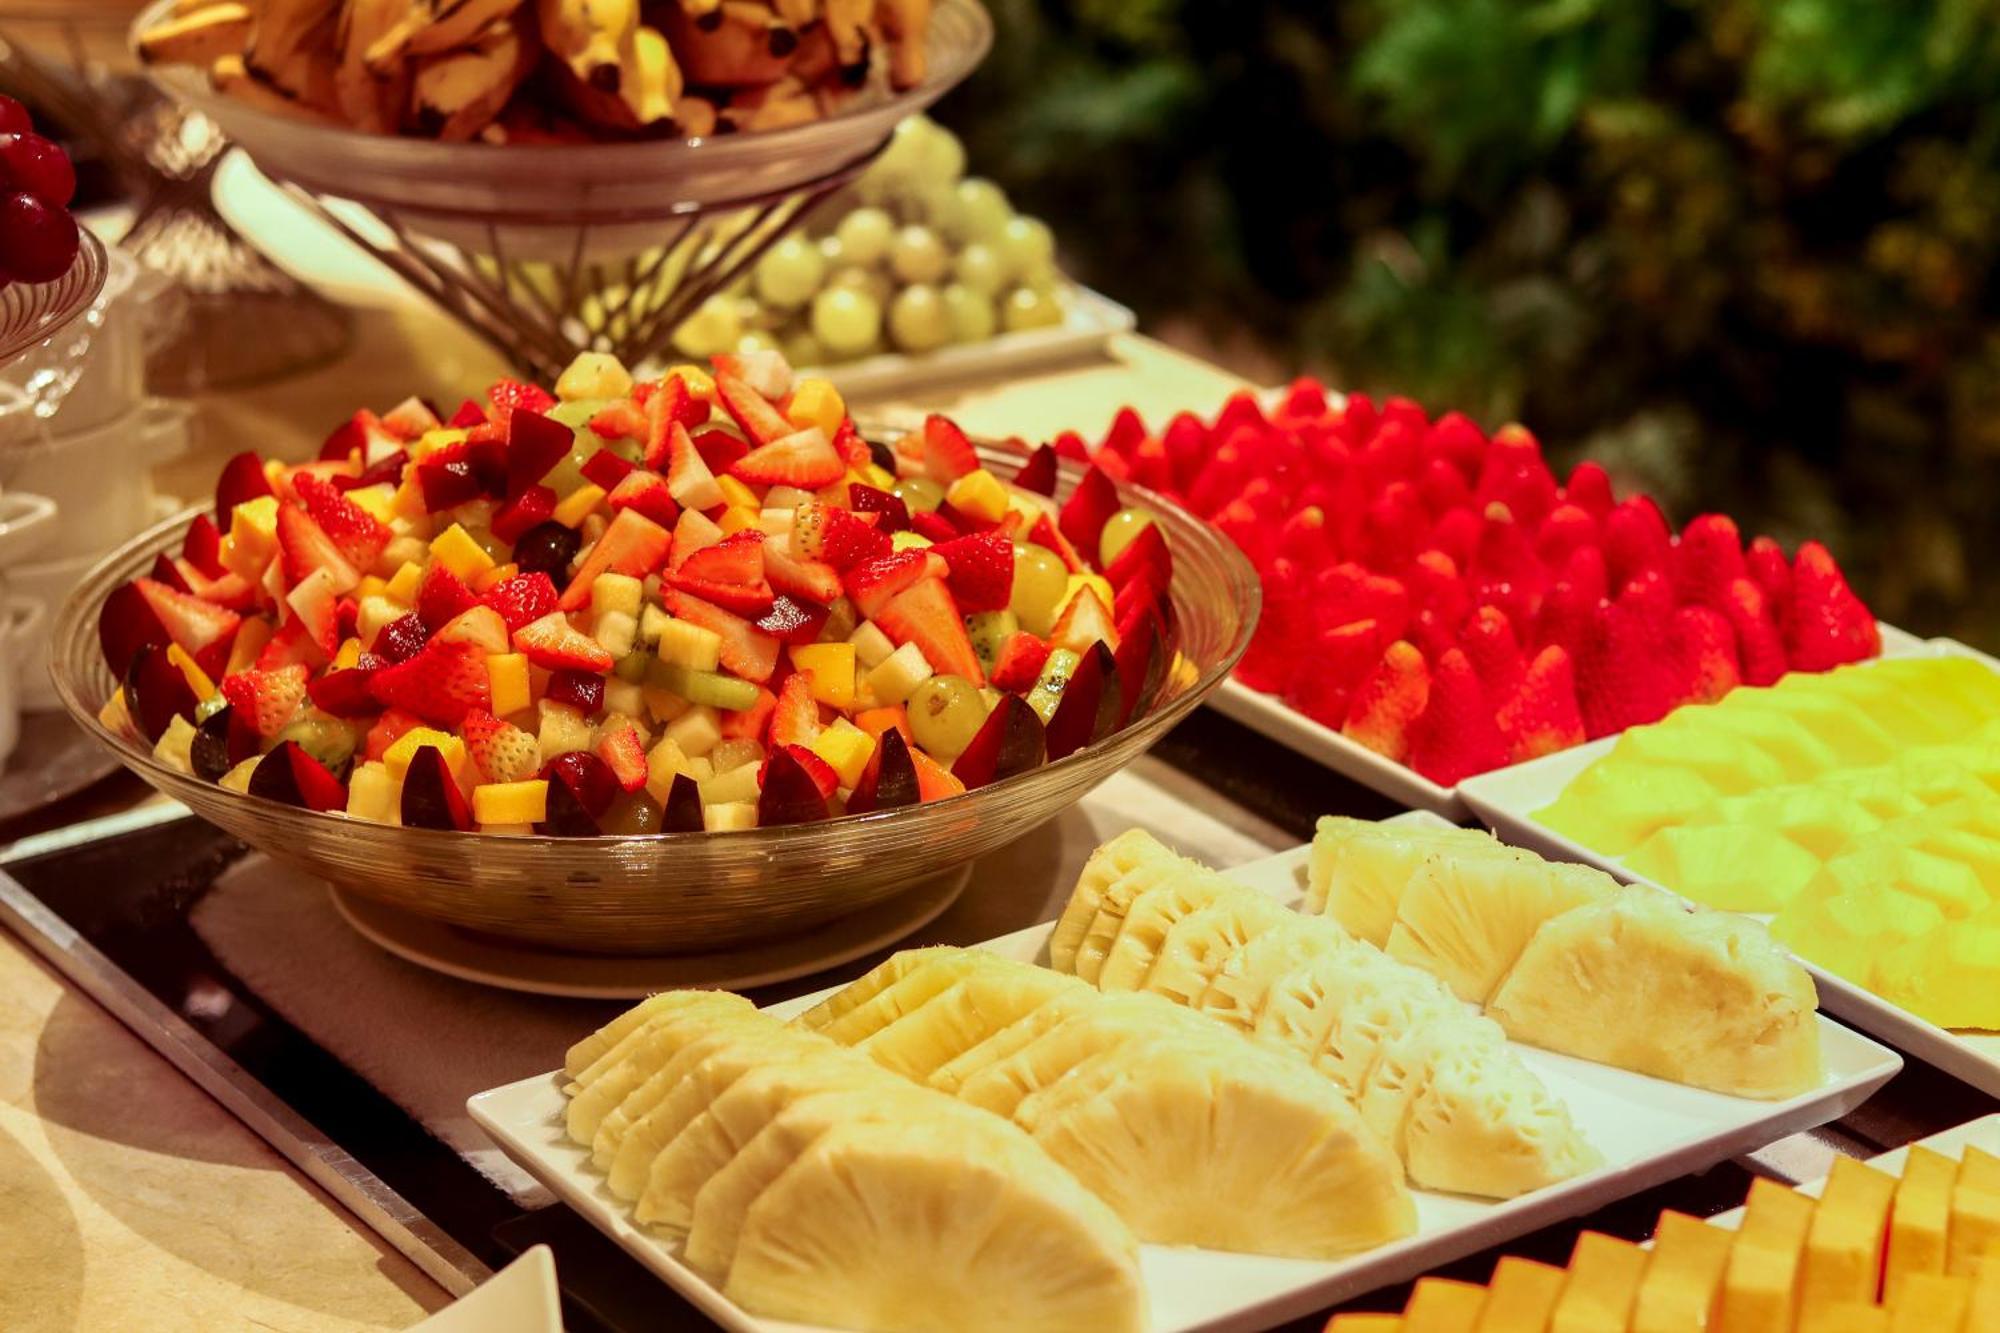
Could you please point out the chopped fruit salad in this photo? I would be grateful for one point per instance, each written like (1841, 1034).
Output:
(700, 602)
(1438, 596)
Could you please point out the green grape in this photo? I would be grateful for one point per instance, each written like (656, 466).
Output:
(917, 255)
(635, 812)
(833, 252)
(1026, 308)
(847, 322)
(1119, 530)
(983, 210)
(327, 738)
(864, 236)
(945, 713)
(901, 162)
(756, 340)
(918, 321)
(918, 494)
(711, 329)
(943, 154)
(789, 273)
(980, 267)
(1040, 580)
(971, 313)
(876, 285)
(1027, 245)
(801, 349)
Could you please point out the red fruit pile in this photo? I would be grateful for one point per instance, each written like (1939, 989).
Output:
(1437, 595)
(38, 237)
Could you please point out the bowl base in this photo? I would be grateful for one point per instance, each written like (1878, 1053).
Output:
(511, 965)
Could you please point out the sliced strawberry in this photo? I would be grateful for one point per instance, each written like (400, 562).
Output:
(346, 693)
(508, 394)
(605, 469)
(667, 404)
(689, 480)
(693, 531)
(803, 459)
(893, 514)
(469, 414)
(531, 508)
(947, 454)
(441, 684)
(267, 700)
(746, 650)
(1046, 534)
(242, 479)
(622, 753)
(1019, 663)
(1038, 473)
(1145, 556)
(503, 752)
(313, 601)
(1086, 620)
(764, 371)
(481, 626)
(554, 643)
(351, 439)
(753, 412)
(981, 568)
(853, 450)
(738, 558)
(809, 580)
(168, 572)
(935, 525)
(795, 719)
(188, 620)
(358, 533)
(305, 547)
(442, 597)
(837, 537)
(750, 600)
(646, 492)
(872, 584)
(925, 614)
(633, 545)
(289, 645)
(1070, 445)
(750, 723)
(1125, 433)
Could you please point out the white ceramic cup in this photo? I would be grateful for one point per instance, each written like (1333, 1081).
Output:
(44, 584)
(100, 479)
(23, 625)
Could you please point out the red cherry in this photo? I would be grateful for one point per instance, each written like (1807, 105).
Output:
(14, 118)
(37, 242)
(30, 162)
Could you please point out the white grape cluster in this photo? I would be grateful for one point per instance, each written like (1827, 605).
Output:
(913, 256)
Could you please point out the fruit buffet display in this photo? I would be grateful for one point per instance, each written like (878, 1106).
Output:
(913, 257)
(1437, 595)
(1872, 1253)
(547, 71)
(1858, 807)
(697, 602)
(1196, 1066)
(38, 237)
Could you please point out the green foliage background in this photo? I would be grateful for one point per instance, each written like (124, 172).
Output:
(1743, 250)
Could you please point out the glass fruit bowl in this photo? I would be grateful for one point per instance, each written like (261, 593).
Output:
(30, 313)
(529, 200)
(681, 892)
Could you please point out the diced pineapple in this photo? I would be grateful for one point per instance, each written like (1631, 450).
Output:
(578, 505)
(683, 643)
(175, 746)
(737, 495)
(623, 698)
(411, 548)
(735, 752)
(731, 786)
(237, 779)
(455, 549)
(907, 540)
(404, 749)
(616, 592)
(251, 637)
(593, 375)
(697, 731)
(700, 384)
(664, 763)
(508, 679)
(871, 645)
(663, 705)
(830, 669)
(1097, 583)
(375, 794)
(729, 818)
(511, 802)
(116, 716)
(616, 632)
(815, 402)
(377, 501)
(896, 678)
(978, 494)
(846, 749)
(444, 437)
(252, 536)
(563, 730)
(653, 622)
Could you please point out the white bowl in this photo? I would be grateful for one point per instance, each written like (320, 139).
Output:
(100, 479)
(24, 526)
(93, 372)
(44, 585)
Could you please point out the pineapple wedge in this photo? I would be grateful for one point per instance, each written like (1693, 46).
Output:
(1404, 1064)
(1235, 995)
(1704, 998)
(616, 1127)
(963, 1015)
(1337, 1012)
(607, 1081)
(935, 1225)
(1180, 887)
(1198, 945)
(1112, 861)
(593, 1048)
(952, 1075)
(1468, 914)
(914, 987)
(866, 988)
(1358, 869)
(1142, 934)
(1092, 1027)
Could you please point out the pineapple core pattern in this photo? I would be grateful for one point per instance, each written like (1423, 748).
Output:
(1434, 1082)
(809, 1183)
(1861, 807)
(1267, 1156)
(1563, 957)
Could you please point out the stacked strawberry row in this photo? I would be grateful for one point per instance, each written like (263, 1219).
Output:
(1437, 595)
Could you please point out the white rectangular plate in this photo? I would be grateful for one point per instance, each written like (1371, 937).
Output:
(1506, 799)
(1648, 1130)
(1273, 717)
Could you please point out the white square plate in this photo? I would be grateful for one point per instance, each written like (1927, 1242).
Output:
(1507, 799)
(1649, 1131)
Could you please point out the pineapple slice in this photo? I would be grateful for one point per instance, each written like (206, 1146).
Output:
(1183, 885)
(1267, 1157)
(1704, 998)
(1096, 1026)
(964, 1014)
(916, 986)
(1235, 995)
(1485, 1125)
(594, 1047)
(1467, 916)
(1198, 945)
(1123, 854)
(1337, 1011)
(933, 1225)
(1142, 932)
(1404, 1065)
(866, 988)
(1358, 869)
(952, 1075)
(607, 1081)
(616, 1127)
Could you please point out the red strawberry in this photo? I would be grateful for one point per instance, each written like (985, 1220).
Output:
(737, 558)
(1222, 477)
(1145, 557)
(388, 729)
(795, 719)
(363, 436)
(1038, 472)
(1341, 657)
(1305, 400)
(837, 537)
(1542, 715)
(1505, 549)
(847, 442)
(693, 531)
(266, 699)
(356, 532)
(1047, 535)
(1767, 567)
(924, 614)
(1274, 655)
(647, 493)
(753, 412)
(346, 693)
(469, 414)
(192, 623)
(622, 753)
(1305, 538)
(1567, 615)
(753, 600)
(1243, 525)
(290, 646)
(1349, 592)
(1589, 489)
(1019, 663)
(822, 774)
(1070, 445)
(665, 404)
(803, 459)
(1825, 624)
(1624, 676)
(1088, 508)
(1566, 528)
(1389, 700)
(981, 571)
(554, 643)
(1456, 737)
(689, 479)
(522, 599)
(1442, 487)
(509, 394)
(441, 684)
(746, 650)
(1494, 652)
(442, 597)
(1396, 526)
(750, 724)
(202, 546)
(501, 751)
(1240, 411)
(1704, 654)
(1457, 441)
(870, 585)
(529, 509)
(1457, 535)
(1635, 539)
(633, 545)
(1125, 433)
(624, 419)
(1084, 621)
(1706, 559)
(892, 514)
(242, 479)
(947, 454)
(935, 526)
(306, 547)
(807, 580)
(605, 469)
